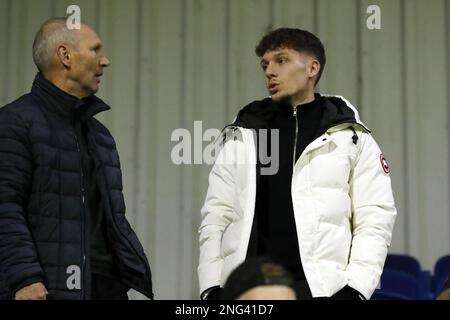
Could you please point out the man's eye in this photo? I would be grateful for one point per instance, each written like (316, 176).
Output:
(281, 60)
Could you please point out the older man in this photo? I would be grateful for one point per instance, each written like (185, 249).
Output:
(63, 231)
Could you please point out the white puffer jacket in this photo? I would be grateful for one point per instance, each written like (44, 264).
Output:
(343, 207)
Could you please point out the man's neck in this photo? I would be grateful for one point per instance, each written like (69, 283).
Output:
(304, 98)
(63, 84)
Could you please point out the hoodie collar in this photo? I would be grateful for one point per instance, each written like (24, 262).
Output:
(336, 110)
(65, 104)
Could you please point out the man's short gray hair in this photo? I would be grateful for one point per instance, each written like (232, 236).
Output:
(50, 35)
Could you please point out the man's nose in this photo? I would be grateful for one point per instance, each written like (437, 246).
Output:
(104, 61)
(270, 71)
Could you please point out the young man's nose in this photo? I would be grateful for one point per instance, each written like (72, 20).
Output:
(270, 71)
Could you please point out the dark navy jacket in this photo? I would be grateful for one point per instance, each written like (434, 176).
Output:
(43, 223)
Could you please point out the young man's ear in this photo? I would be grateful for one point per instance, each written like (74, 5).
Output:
(314, 68)
(64, 55)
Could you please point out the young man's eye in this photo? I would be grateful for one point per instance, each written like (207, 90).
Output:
(282, 60)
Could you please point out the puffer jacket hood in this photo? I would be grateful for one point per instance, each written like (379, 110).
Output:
(336, 110)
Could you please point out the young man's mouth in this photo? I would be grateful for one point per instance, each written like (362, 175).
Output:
(273, 87)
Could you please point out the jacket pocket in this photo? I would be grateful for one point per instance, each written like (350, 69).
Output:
(330, 187)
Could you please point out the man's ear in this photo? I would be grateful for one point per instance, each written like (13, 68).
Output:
(314, 68)
(64, 55)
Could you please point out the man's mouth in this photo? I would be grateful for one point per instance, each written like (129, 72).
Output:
(273, 87)
(97, 76)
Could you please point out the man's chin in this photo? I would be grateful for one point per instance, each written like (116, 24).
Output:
(281, 99)
(94, 89)
(90, 92)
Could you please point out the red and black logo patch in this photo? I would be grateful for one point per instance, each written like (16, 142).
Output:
(384, 164)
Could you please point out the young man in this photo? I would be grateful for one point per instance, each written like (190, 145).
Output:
(63, 231)
(327, 213)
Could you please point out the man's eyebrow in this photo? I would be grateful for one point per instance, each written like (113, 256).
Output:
(277, 55)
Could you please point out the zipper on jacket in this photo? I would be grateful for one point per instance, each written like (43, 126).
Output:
(83, 291)
(125, 240)
(295, 138)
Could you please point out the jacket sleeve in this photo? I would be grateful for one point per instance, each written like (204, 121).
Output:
(373, 218)
(217, 213)
(18, 258)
